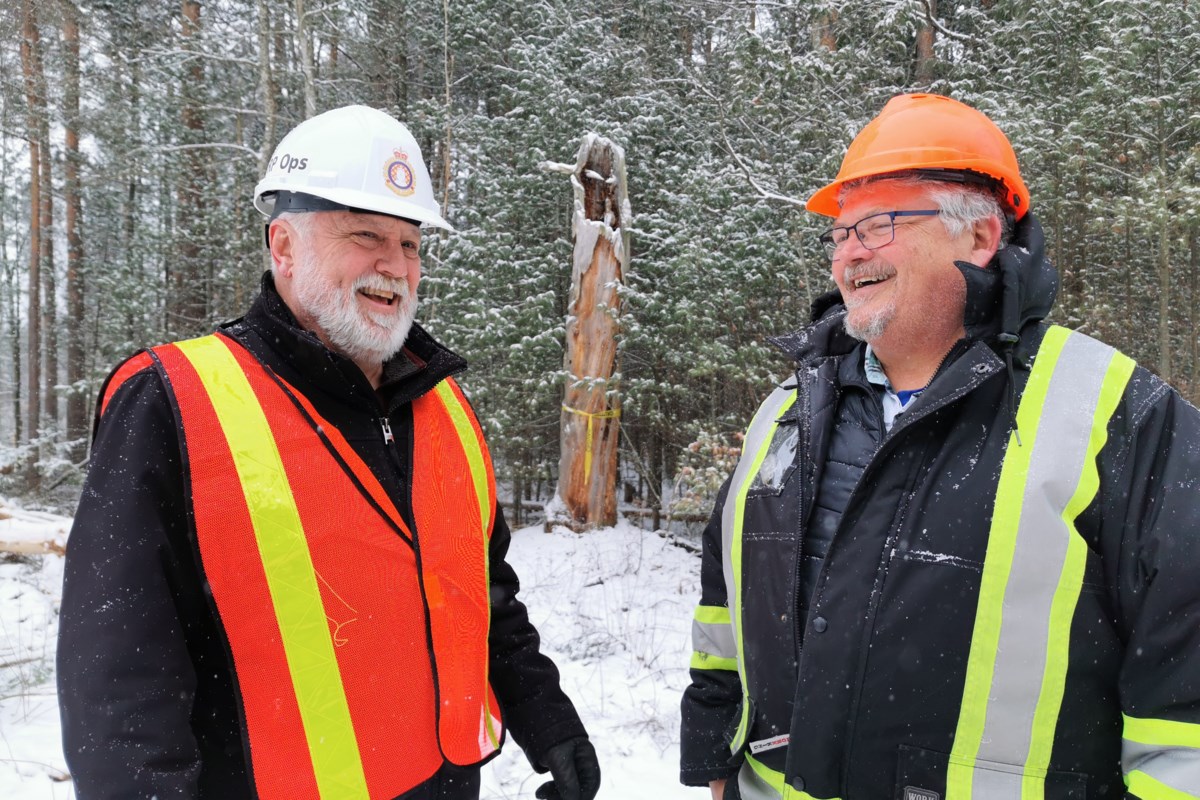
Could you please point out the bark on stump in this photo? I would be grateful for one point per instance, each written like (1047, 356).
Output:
(591, 409)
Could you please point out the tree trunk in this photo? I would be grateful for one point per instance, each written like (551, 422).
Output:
(447, 71)
(49, 307)
(823, 35)
(187, 284)
(31, 68)
(1193, 387)
(14, 316)
(304, 45)
(266, 86)
(387, 67)
(77, 423)
(10, 289)
(591, 404)
(926, 36)
(1164, 291)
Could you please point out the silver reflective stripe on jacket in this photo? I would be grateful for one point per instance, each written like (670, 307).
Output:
(1161, 758)
(713, 644)
(1033, 571)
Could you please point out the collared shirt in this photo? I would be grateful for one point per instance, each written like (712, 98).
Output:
(893, 402)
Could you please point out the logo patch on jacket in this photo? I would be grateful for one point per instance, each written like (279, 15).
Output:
(775, 742)
(913, 793)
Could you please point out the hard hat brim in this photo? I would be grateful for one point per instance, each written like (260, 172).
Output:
(264, 201)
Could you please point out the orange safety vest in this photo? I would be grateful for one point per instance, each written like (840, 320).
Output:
(360, 647)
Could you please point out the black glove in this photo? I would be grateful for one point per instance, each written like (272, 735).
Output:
(575, 770)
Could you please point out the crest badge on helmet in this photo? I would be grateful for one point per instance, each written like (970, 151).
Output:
(399, 174)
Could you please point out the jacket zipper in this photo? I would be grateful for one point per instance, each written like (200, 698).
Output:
(388, 438)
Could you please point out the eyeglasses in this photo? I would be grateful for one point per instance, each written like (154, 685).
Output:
(874, 231)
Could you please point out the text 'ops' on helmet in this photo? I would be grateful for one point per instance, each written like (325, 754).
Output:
(924, 132)
(354, 157)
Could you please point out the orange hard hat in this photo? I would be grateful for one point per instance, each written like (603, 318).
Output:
(929, 132)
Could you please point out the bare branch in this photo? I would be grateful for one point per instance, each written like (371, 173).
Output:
(175, 148)
(766, 194)
(942, 29)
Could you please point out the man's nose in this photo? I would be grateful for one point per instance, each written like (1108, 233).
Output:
(852, 251)
(395, 262)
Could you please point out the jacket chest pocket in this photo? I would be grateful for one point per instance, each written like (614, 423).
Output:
(921, 775)
(778, 463)
(770, 519)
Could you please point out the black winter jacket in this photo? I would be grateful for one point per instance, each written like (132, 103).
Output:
(149, 698)
(868, 683)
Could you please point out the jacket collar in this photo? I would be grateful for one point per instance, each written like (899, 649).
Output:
(417, 368)
(826, 336)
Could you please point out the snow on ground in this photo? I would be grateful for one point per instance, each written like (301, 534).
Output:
(614, 609)
(31, 761)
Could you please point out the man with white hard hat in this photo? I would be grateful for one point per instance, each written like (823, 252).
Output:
(287, 575)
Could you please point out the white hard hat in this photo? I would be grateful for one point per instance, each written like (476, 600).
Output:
(354, 157)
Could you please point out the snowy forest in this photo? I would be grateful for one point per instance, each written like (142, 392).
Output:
(132, 134)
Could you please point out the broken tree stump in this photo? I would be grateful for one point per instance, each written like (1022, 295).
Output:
(590, 423)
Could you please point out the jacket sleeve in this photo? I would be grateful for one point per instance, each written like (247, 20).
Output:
(712, 701)
(1152, 509)
(125, 679)
(536, 710)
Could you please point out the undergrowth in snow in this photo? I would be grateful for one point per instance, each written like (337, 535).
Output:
(613, 607)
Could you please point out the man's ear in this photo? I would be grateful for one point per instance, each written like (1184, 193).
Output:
(985, 240)
(282, 238)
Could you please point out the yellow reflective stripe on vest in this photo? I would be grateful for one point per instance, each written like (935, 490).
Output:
(754, 449)
(1160, 757)
(1033, 570)
(288, 566)
(473, 451)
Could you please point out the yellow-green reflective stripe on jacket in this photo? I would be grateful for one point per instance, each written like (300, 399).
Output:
(754, 450)
(1033, 570)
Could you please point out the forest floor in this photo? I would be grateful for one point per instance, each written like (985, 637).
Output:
(613, 607)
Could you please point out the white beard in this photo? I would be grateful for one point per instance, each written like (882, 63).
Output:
(364, 337)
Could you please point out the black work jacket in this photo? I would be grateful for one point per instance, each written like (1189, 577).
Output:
(868, 683)
(148, 694)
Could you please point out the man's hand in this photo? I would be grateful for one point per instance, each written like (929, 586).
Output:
(575, 770)
(717, 788)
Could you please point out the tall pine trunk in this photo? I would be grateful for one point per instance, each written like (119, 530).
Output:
(31, 69)
(49, 306)
(187, 277)
(926, 37)
(307, 68)
(77, 426)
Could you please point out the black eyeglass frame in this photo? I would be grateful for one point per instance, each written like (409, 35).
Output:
(827, 241)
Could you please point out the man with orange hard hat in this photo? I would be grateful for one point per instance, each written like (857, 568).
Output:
(957, 556)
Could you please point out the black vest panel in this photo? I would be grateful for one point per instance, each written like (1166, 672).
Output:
(854, 438)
